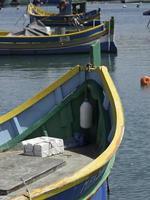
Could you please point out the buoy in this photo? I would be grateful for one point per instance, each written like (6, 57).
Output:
(145, 81)
(86, 112)
(124, 6)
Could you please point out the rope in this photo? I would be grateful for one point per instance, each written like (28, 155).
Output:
(148, 24)
(108, 189)
(27, 189)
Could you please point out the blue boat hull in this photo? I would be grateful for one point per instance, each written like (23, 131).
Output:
(105, 47)
(94, 188)
(101, 194)
(70, 42)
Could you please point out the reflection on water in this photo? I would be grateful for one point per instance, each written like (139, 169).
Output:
(36, 62)
(52, 61)
(21, 77)
(109, 61)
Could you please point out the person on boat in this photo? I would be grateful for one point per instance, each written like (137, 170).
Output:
(36, 2)
(64, 7)
(1, 4)
(14, 3)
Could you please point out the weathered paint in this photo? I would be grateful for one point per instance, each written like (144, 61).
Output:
(49, 18)
(102, 160)
(58, 44)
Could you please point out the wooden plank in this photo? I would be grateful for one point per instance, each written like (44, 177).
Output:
(16, 170)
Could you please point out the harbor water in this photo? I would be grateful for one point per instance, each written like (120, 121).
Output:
(23, 76)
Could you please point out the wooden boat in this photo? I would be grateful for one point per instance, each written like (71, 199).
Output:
(35, 39)
(135, 1)
(147, 12)
(15, 2)
(62, 18)
(81, 172)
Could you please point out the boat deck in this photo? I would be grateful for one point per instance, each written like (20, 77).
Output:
(19, 172)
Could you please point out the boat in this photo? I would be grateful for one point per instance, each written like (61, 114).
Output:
(81, 108)
(14, 3)
(36, 38)
(135, 1)
(147, 12)
(75, 9)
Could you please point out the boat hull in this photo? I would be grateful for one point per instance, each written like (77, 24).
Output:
(90, 189)
(55, 112)
(105, 47)
(76, 42)
(50, 19)
(147, 13)
(94, 188)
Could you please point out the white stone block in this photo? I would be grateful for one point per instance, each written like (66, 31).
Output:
(42, 149)
(43, 146)
(59, 142)
(56, 150)
(54, 141)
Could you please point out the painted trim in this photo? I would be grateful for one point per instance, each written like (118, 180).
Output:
(94, 189)
(39, 12)
(40, 45)
(39, 96)
(101, 160)
(60, 35)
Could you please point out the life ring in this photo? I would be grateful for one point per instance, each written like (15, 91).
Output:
(145, 81)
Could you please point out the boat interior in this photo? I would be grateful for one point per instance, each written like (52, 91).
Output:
(37, 28)
(82, 145)
(77, 8)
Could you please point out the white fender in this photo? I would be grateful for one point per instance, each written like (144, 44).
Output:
(86, 112)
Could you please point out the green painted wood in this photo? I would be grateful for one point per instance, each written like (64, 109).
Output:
(112, 23)
(64, 120)
(95, 53)
(105, 175)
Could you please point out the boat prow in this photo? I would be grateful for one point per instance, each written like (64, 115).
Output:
(83, 109)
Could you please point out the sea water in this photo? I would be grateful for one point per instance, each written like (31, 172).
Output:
(23, 76)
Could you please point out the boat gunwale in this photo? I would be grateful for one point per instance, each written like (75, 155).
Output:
(87, 171)
(86, 30)
(39, 12)
(64, 44)
(30, 102)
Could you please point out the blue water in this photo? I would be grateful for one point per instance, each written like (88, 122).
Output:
(23, 76)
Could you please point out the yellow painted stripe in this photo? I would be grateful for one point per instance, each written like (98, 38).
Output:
(36, 11)
(60, 35)
(41, 45)
(3, 33)
(39, 96)
(101, 160)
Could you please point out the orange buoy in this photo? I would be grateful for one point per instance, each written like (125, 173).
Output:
(145, 81)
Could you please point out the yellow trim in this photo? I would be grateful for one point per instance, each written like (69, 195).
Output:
(3, 33)
(60, 35)
(38, 11)
(82, 31)
(41, 45)
(101, 160)
(39, 96)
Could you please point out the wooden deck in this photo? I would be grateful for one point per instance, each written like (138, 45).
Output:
(19, 172)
